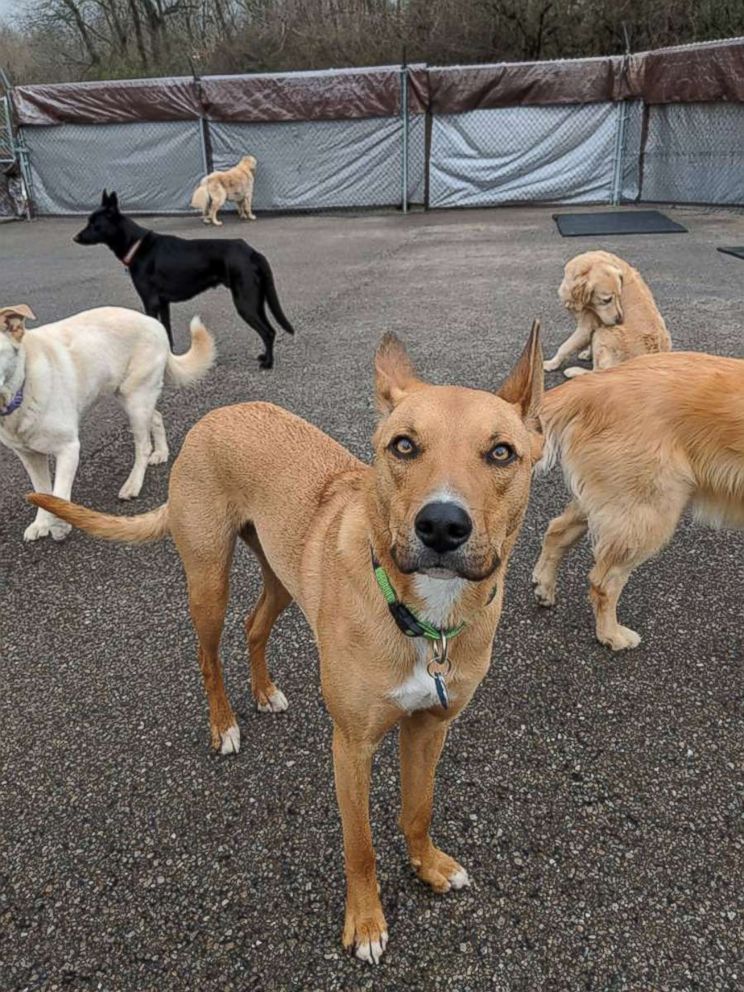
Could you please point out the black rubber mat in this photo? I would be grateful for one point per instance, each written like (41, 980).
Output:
(737, 252)
(617, 222)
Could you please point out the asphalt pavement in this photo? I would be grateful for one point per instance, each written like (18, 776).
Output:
(595, 799)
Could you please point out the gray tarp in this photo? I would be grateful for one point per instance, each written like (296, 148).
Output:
(695, 153)
(523, 154)
(153, 167)
(324, 164)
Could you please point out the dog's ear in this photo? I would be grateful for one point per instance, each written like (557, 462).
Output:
(575, 291)
(394, 374)
(113, 202)
(13, 320)
(104, 199)
(524, 385)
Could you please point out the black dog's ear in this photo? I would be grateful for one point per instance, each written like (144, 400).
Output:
(104, 199)
(113, 201)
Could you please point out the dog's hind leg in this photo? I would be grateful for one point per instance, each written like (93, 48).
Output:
(562, 534)
(208, 583)
(639, 532)
(250, 313)
(159, 441)
(273, 600)
(140, 409)
(217, 199)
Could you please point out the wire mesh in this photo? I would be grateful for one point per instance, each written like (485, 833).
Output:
(154, 167)
(524, 154)
(694, 154)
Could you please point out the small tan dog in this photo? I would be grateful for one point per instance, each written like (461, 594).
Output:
(232, 184)
(431, 524)
(616, 317)
(638, 445)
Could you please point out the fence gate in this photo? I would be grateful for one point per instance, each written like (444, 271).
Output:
(14, 188)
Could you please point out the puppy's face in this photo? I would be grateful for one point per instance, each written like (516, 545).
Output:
(593, 283)
(453, 465)
(103, 224)
(249, 162)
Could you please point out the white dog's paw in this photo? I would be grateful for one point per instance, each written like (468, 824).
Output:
(574, 371)
(36, 530)
(621, 639)
(251, 216)
(230, 740)
(217, 223)
(206, 220)
(129, 490)
(59, 530)
(551, 365)
(275, 702)
(544, 592)
(158, 457)
(460, 880)
(585, 355)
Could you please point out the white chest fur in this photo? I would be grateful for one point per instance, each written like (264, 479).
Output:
(418, 691)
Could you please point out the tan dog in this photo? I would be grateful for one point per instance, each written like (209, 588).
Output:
(232, 184)
(438, 512)
(638, 445)
(616, 317)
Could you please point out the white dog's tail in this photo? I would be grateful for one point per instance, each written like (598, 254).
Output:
(182, 370)
(200, 197)
(144, 527)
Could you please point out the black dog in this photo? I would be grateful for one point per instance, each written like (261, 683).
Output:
(166, 270)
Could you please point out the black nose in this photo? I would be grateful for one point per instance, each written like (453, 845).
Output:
(443, 526)
(76, 239)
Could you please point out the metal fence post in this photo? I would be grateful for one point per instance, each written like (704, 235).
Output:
(404, 138)
(618, 167)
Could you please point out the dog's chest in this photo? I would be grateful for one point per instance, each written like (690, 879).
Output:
(418, 691)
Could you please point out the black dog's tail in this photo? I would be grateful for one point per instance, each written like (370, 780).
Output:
(270, 290)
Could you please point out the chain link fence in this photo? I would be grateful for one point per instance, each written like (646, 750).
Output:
(576, 153)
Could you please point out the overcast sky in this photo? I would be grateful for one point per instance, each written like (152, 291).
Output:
(11, 8)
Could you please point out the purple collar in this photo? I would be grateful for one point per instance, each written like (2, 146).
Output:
(14, 403)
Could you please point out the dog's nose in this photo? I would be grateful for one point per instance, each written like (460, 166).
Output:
(76, 239)
(443, 526)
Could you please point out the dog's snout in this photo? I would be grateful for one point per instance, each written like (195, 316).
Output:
(76, 239)
(443, 526)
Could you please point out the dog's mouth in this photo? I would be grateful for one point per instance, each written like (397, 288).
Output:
(452, 565)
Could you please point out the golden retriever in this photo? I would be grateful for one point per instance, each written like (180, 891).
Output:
(232, 184)
(638, 445)
(616, 317)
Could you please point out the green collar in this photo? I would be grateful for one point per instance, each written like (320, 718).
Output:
(405, 618)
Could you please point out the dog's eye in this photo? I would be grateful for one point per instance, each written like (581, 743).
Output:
(605, 302)
(501, 454)
(403, 447)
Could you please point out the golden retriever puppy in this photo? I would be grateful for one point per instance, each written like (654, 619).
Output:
(232, 184)
(639, 444)
(616, 317)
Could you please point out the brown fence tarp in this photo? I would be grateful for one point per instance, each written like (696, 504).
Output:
(709, 72)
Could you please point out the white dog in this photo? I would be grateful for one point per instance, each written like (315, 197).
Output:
(50, 375)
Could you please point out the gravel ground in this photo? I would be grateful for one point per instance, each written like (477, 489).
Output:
(595, 799)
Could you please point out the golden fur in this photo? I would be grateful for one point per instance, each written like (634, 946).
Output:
(232, 184)
(616, 316)
(312, 514)
(638, 445)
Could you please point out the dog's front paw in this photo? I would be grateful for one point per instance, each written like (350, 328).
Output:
(158, 457)
(366, 935)
(129, 491)
(620, 639)
(39, 528)
(551, 365)
(574, 371)
(230, 740)
(272, 700)
(440, 871)
(543, 590)
(585, 355)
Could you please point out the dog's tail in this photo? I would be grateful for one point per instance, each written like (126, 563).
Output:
(144, 527)
(271, 296)
(182, 370)
(200, 197)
